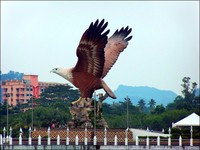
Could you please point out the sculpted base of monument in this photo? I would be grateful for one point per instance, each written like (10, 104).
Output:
(87, 112)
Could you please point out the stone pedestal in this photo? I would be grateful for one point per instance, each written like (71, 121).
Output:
(88, 112)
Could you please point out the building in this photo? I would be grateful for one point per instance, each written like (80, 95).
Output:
(21, 91)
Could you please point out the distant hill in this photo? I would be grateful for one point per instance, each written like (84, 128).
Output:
(142, 92)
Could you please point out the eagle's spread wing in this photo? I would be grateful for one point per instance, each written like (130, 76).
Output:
(116, 44)
(90, 51)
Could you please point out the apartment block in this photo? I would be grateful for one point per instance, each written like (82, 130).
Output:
(21, 91)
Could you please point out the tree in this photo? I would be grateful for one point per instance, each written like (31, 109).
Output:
(60, 92)
(159, 109)
(152, 104)
(141, 104)
(197, 101)
(188, 101)
(12, 75)
(188, 92)
(179, 103)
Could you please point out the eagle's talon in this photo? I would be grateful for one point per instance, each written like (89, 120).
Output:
(77, 101)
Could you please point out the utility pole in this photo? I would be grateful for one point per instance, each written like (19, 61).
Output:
(32, 114)
(7, 117)
(8, 96)
(127, 111)
(95, 113)
(31, 98)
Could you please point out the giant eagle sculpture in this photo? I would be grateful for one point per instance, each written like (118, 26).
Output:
(96, 55)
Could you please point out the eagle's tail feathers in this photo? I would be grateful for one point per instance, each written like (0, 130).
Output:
(108, 90)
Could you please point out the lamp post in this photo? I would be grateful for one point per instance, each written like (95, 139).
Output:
(32, 114)
(7, 118)
(95, 113)
(32, 111)
(127, 119)
(31, 98)
(7, 95)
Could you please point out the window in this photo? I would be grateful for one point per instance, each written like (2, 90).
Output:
(8, 95)
(27, 94)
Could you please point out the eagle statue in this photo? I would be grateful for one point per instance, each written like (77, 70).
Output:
(96, 55)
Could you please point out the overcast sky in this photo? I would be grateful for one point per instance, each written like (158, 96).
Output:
(39, 36)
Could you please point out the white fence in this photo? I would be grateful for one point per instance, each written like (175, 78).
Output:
(8, 140)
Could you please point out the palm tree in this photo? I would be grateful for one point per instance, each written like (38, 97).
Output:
(141, 104)
(152, 104)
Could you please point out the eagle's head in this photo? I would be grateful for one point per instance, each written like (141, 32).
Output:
(65, 73)
(55, 70)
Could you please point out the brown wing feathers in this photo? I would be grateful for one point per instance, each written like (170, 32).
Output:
(97, 54)
(90, 51)
(116, 44)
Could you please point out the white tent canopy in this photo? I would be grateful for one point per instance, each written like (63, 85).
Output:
(191, 120)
